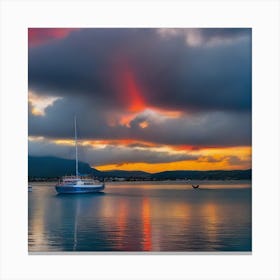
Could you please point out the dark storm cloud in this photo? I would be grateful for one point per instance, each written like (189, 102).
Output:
(58, 121)
(107, 155)
(209, 82)
(170, 73)
(201, 129)
(219, 79)
(198, 129)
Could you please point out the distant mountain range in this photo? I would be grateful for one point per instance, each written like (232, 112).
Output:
(50, 167)
(56, 167)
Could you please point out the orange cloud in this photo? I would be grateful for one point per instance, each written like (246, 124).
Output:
(99, 143)
(144, 124)
(118, 142)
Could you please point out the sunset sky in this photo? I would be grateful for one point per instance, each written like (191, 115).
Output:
(145, 99)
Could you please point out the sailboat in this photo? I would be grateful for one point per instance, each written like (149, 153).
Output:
(78, 184)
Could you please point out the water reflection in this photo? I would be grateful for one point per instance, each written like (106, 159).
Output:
(121, 225)
(210, 213)
(77, 209)
(147, 240)
(140, 219)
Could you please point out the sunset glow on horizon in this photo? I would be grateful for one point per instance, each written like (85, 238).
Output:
(222, 163)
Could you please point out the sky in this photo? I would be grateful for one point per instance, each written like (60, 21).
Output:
(145, 99)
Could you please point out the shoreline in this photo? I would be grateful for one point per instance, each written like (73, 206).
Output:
(189, 182)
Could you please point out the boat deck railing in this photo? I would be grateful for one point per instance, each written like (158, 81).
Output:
(73, 179)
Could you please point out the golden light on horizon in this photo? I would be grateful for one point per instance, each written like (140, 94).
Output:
(201, 158)
(209, 159)
(170, 166)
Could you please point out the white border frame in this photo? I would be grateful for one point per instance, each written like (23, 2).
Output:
(262, 16)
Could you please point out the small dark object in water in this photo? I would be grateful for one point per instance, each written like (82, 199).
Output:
(195, 187)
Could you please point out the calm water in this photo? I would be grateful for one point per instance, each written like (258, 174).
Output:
(142, 217)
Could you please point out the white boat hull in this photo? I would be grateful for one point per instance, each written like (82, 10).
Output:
(72, 189)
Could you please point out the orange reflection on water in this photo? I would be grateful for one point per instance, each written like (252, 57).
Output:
(147, 240)
(121, 225)
(211, 219)
(37, 226)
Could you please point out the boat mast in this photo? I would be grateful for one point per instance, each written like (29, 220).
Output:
(75, 123)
